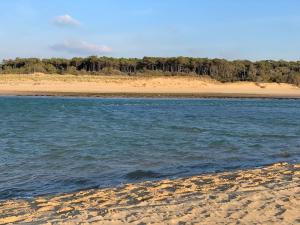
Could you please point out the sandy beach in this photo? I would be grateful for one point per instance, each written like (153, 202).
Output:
(127, 86)
(269, 195)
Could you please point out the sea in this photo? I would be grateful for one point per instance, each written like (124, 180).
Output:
(51, 145)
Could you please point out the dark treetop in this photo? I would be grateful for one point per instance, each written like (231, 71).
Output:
(219, 69)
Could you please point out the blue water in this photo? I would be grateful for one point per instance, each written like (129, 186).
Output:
(53, 145)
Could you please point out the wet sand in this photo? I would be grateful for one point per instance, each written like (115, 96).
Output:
(133, 86)
(269, 195)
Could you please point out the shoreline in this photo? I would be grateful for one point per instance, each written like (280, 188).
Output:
(147, 95)
(268, 194)
(139, 87)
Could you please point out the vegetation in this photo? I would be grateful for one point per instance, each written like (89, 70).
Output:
(219, 69)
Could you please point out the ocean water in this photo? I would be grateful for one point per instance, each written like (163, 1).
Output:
(51, 145)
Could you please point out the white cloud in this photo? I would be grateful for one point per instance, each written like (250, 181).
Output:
(66, 20)
(81, 48)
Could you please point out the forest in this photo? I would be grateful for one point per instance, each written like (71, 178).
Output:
(218, 69)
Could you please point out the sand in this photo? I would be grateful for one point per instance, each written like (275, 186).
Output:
(269, 195)
(71, 85)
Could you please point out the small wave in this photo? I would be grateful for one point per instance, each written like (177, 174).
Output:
(233, 167)
(256, 146)
(80, 181)
(277, 136)
(283, 154)
(217, 143)
(188, 129)
(140, 174)
(88, 158)
(13, 193)
(202, 166)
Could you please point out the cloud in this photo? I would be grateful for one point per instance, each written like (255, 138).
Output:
(81, 48)
(66, 20)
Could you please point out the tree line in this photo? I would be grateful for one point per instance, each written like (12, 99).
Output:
(218, 69)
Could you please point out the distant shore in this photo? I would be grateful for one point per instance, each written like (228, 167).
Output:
(146, 95)
(131, 86)
(268, 195)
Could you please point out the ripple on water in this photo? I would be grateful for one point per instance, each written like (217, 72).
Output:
(70, 144)
(188, 129)
(142, 174)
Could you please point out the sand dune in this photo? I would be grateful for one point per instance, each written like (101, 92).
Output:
(41, 84)
(269, 195)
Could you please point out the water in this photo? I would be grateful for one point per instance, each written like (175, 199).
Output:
(53, 145)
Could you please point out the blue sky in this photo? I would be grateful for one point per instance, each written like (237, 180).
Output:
(231, 29)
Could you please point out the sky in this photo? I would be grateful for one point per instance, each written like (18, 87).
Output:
(230, 29)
